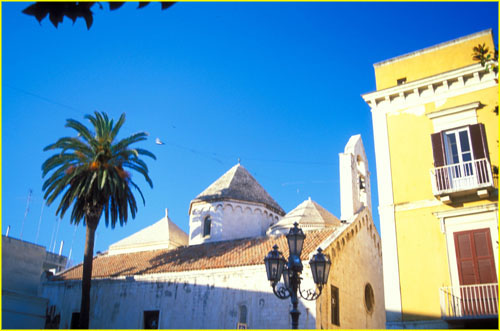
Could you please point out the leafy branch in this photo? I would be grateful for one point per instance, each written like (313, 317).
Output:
(73, 10)
(482, 54)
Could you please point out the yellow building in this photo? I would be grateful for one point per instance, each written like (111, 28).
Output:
(436, 144)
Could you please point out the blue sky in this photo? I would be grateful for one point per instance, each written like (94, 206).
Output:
(275, 84)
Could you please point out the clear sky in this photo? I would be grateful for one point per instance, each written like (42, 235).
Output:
(277, 85)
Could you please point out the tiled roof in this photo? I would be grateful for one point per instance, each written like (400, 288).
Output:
(237, 183)
(224, 254)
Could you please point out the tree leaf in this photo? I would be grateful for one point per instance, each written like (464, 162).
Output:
(166, 4)
(115, 5)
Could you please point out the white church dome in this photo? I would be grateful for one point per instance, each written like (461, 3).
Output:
(309, 215)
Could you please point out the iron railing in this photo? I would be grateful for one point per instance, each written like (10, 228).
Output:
(464, 176)
(469, 301)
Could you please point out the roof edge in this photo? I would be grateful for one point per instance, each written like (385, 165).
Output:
(432, 48)
(215, 199)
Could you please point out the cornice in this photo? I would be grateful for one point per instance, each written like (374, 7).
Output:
(453, 110)
(466, 211)
(447, 84)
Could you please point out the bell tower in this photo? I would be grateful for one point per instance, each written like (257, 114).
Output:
(354, 178)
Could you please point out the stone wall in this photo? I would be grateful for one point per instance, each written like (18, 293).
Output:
(187, 300)
(356, 261)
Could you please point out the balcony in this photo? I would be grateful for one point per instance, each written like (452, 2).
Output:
(469, 302)
(473, 177)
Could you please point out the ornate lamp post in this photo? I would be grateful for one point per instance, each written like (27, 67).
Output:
(276, 265)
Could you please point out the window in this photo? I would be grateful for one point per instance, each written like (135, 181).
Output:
(457, 146)
(75, 320)
(151, 319)
(461, 158)
(207, 224)
(401, 81)
(369, 298)
(335, 305)
(243, 314)
(362, 185)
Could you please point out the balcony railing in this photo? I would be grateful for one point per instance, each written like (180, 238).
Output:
(461, 177)
(469, 301)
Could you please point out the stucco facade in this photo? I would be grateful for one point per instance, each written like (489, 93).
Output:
(23, 264)
(428, 192)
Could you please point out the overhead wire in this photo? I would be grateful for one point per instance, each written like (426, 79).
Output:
(210, 155)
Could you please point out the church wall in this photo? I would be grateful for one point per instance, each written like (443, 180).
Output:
(356, 261)
(230, 220)
(200, 300)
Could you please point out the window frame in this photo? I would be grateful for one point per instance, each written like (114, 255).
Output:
(460, 152)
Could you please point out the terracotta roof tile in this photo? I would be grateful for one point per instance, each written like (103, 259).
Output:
(224, 254)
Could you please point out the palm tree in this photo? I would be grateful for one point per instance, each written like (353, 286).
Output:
(89, 173)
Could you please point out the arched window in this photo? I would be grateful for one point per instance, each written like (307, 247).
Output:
(207, 224)
(243, 314)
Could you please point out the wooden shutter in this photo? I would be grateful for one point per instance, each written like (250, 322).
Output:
(438, 149)
(475, 261)
(478, 141)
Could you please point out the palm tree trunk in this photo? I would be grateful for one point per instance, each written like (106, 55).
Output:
(87, 274)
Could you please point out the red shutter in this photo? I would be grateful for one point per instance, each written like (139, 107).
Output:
(438, 149)
(478, 141)
(476, 265)
(475, 261)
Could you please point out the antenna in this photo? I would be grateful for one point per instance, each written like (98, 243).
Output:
(61, 247)
(71, 247)
(7, 233)
(52, 235)
(39, 222)
(55, 238)
(26, 213)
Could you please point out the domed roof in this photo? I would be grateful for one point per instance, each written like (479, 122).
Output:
(309, 215)
(238, 184)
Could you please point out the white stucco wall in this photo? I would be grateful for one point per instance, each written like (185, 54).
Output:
(188, 300)
(353, 165)
(230, 220)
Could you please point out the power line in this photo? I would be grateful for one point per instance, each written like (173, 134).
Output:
(43, 98)
(210, 155)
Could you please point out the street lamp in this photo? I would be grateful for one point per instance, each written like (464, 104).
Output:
(276, 265)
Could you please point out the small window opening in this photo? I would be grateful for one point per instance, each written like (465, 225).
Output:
(151, 319)
(362, 185)
(402, 81)
(207, 224)
(75, 320)
(243, 314)
(369, 298)
(335, 305)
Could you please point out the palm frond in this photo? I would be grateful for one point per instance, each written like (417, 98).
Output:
(87, 171)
